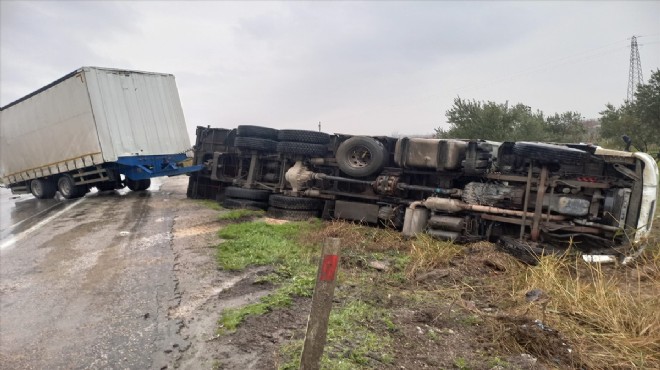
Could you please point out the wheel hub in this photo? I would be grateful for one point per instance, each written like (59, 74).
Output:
(360, 157)
(36, 187)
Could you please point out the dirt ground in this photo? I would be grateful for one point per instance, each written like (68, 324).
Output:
(205, 290)
(452, 316)
(431, 333)
(149, 293)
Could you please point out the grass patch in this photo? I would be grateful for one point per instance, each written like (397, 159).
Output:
(259, 243)
(353, 324)
(352, 342)
(282, 297)
(209, 204)
(461, 363)
(241, 214)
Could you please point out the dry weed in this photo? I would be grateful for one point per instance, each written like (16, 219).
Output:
(609, 314)
(427, 254)
(364, 238)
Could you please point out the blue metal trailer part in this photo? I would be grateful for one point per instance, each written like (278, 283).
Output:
(144, 167)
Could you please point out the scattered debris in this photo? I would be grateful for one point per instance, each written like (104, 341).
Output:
(379, 265)
(433, 275)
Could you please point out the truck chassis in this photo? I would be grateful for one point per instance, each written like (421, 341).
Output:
(532, 198)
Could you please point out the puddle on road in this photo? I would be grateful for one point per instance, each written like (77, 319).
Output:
(17, 210)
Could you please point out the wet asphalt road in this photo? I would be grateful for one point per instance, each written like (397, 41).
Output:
(87, 284)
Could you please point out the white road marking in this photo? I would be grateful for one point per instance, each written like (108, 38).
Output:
(16, 238)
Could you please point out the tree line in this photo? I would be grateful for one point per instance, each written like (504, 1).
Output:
(633, 125)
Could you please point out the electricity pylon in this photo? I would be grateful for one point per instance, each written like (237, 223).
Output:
(635, 74)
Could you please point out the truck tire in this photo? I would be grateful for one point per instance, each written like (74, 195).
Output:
(265, 145)
(68, 188)
(361, 156)
(144, 184)
(304, 136)
(42, 189)
(256, 131)
(306, 149)
(290, 214)
(294, 203)
(549, 153)
(233, 203)
(251, 194)
(138, 185)
(105, 186)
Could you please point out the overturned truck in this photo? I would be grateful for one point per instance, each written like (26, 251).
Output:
(532, 198)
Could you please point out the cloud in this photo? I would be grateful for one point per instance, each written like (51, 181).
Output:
(359, 67)
(42, 41)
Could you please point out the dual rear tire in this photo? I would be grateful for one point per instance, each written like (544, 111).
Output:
(293, 208)
(66, 185)
(68, 188)
(43, 188)
(236, 197)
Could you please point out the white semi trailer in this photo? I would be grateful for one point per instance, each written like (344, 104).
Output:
(94, 127)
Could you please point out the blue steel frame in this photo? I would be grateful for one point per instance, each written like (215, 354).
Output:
(143, 167)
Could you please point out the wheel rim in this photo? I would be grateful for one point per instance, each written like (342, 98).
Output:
(65, 186)
(37, 188)
(359, 157)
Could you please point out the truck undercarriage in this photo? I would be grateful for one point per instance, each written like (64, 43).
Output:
(532, 198)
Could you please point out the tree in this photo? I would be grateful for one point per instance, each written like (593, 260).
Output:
(567, 127)
(501, 122)
(647, 107)
(638, 120)
(493, 121)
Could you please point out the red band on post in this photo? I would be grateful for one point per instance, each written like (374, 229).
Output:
(329, 267)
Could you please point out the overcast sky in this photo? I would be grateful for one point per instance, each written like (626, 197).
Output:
(376, 68)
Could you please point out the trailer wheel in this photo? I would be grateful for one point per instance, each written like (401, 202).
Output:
(255, 143)
(304, 136)
(251, 194)
(138, 185)
(68, 188)
(42, 189)
(133, 185)
(105, 186)
(361, 156)
(233, 203)
(256, 131)
(145, 184)
(294, 203)
(306, 149)
(549, 153)
(290, 214)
